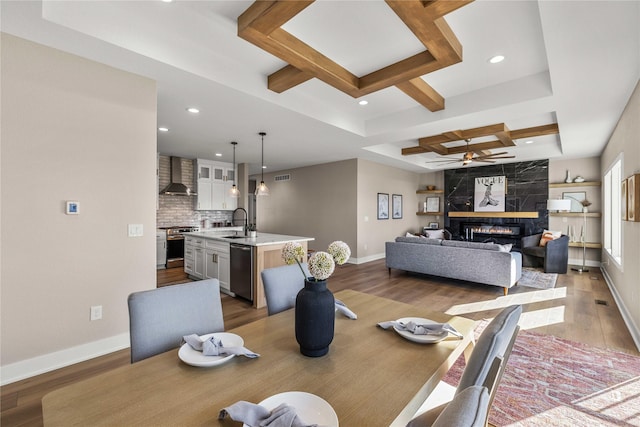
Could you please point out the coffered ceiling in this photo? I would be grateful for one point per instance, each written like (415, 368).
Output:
(298, 71)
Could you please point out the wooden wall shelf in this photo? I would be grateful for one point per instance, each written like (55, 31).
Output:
(588, 245)
(575, 184)
(429, 191)
(576, 214)
(430, 213)
(493, 214)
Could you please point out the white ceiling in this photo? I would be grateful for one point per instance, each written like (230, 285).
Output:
(571, 62)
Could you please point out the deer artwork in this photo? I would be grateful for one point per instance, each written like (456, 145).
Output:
(488, 198)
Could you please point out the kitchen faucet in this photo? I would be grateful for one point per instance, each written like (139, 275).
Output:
(246, 219)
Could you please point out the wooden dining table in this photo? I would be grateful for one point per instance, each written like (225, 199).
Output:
(371, 376)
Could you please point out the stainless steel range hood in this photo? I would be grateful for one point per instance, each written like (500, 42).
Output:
(176, 187)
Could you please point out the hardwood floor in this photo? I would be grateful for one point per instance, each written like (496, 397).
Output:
(569, 311)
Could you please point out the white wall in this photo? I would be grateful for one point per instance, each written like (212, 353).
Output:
(624, 281)
(72, 129)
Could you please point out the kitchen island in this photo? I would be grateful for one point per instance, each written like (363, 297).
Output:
(208, 255)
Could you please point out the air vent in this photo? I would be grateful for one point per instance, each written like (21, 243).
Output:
(279, 178)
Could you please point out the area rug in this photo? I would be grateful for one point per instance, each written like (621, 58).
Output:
(534, 278)
(551, 381)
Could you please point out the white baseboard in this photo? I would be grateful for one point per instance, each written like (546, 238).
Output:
(628, 320)
(59, 359)
(366, 259)
(573, 262)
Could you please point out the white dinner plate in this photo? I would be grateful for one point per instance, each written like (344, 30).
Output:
(195, 358)
(422, 339)
(310, 408)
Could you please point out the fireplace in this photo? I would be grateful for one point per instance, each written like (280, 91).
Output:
(497, 233)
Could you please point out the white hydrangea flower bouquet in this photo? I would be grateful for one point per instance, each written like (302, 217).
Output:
(321, 264)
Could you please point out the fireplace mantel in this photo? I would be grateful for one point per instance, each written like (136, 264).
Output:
(458, 214)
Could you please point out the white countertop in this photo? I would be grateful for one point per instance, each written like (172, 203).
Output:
(262, 239)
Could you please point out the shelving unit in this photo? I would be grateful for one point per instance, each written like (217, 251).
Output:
(432, 192)
(578, 219)
(575, 184)
(493, 214)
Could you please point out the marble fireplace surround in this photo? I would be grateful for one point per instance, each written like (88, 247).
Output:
(525, 202)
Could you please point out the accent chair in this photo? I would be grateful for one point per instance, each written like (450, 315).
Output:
(552, 257)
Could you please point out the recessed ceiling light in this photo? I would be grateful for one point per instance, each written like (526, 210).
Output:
(264, 167)
(363, 102)
(167, 1)
(528, 142)
(218, 154)
(193, 110)
(163, 129)
(496, 59)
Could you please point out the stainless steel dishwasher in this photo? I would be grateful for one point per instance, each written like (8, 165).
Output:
(242, 271)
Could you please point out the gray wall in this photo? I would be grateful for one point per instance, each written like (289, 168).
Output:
(625, 280)
(72, 129)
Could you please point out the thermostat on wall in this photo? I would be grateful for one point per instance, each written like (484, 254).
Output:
(73, 207)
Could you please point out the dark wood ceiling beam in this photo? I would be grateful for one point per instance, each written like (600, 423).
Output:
(266, 16)
(532, 132)
(424, 94)
(286, 78)
(435, 8)
(476, 147)
(414, 150)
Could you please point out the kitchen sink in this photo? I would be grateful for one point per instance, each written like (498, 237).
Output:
(233, 237)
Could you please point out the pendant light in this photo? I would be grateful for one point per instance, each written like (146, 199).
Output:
(262, 189)
(233, 191)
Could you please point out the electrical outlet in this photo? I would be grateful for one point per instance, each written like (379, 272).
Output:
(135, 230)
(96, 312)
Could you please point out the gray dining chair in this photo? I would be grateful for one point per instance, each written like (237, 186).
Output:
(281, 286)
(469, 408)
(486, 363)
(159, 318)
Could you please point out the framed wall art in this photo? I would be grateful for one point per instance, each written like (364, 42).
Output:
(623, 199)
(433, 204)
(633, 197)
(489, 194)
(396, 203)
(383, 205)
(576, 198)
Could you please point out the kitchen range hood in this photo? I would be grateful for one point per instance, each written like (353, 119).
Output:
(176, 187)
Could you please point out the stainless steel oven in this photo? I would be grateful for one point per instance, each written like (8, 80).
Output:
(175, 244)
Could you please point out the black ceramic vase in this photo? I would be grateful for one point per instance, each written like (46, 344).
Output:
(315, 318)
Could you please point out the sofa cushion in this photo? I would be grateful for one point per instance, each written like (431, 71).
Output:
(419, 240)
(505, 247)
(433, 234)
(471, 245)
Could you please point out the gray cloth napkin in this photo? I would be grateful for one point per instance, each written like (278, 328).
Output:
(213, 347)
(421, 328)
(258, 416)
(342, 308)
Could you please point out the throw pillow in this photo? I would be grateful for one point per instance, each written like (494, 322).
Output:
(434, 234)
(409, 235)
(505, 247)
(548, 236)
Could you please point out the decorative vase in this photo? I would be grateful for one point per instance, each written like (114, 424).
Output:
(568, 180)
(253, 234)
(315, 318)
(585, 209)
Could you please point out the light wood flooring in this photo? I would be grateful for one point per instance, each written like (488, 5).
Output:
(568, 311)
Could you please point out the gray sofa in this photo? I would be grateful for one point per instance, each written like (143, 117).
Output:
(485, 263)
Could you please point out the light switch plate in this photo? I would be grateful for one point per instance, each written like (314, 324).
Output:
(135, 230)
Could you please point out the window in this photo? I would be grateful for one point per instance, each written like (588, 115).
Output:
(612, 219)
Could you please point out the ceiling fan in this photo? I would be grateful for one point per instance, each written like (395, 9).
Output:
(484, 156)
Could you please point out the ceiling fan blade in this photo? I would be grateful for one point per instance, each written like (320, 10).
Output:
(443, 161)
(483, 160)
(501, 157)
(491, 155)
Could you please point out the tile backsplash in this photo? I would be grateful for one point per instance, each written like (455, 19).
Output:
(180, 210)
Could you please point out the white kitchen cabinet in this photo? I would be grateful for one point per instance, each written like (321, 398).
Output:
(215, 179)
(217, 264)
(194, 257)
